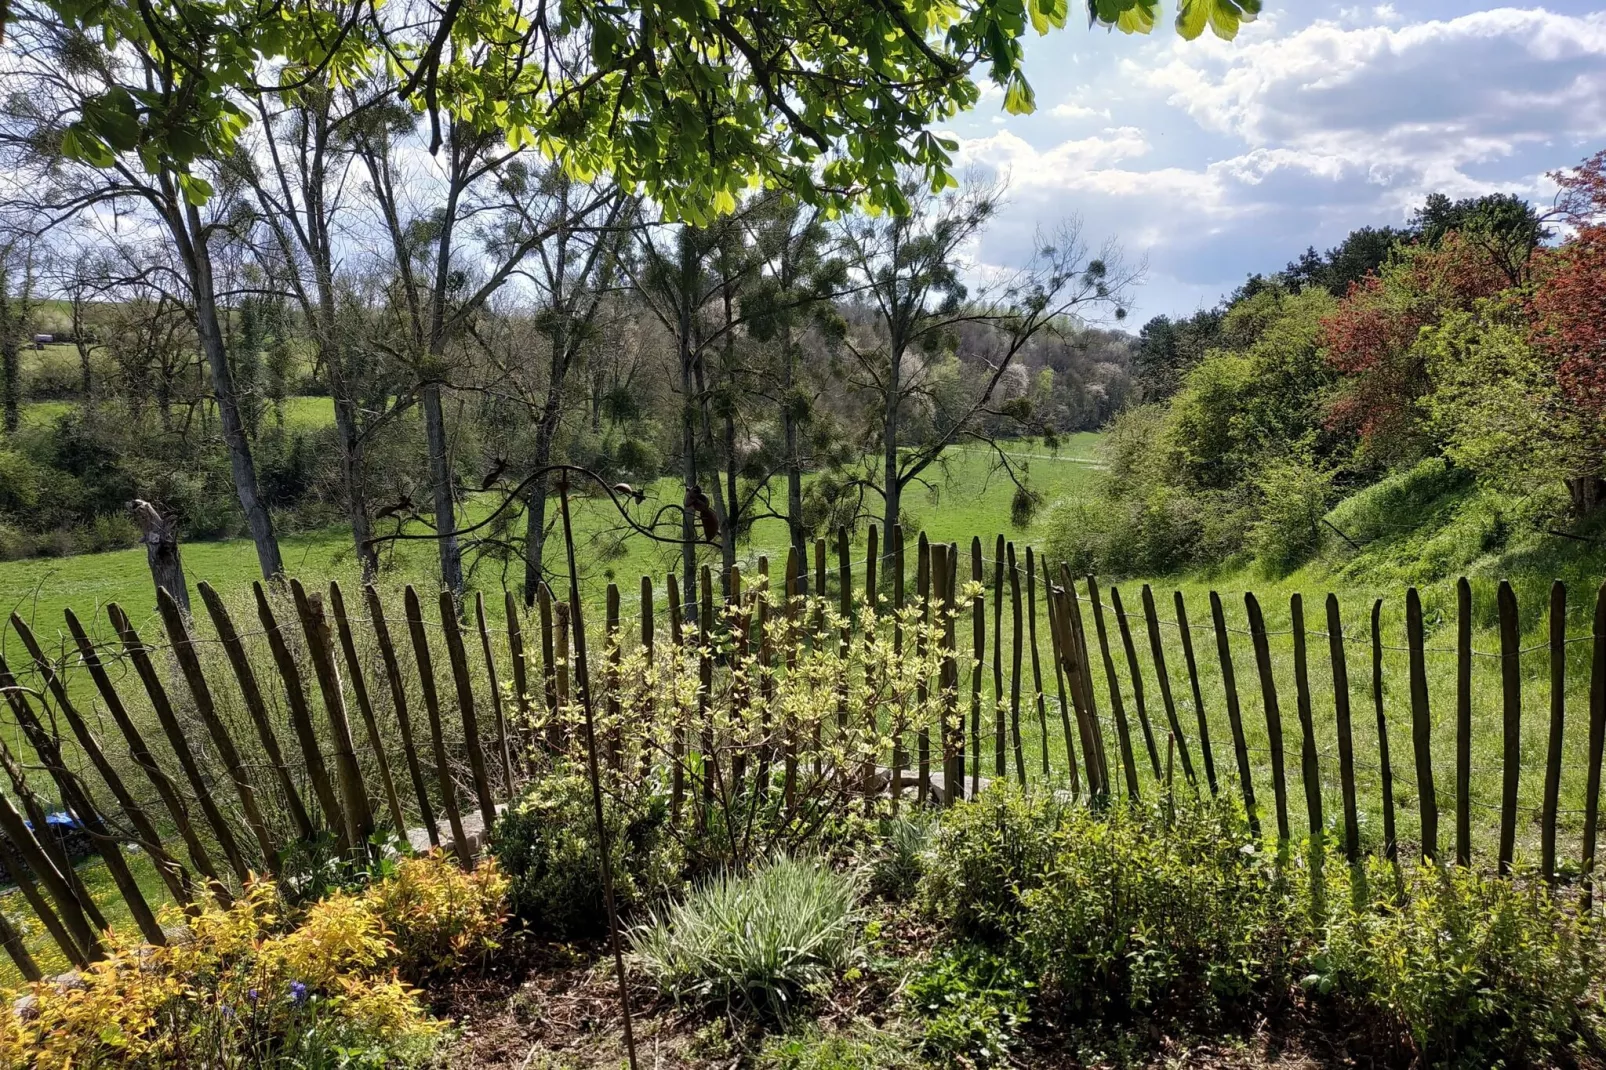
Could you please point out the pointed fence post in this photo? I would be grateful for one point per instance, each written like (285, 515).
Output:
(365, 707)
(320, 645)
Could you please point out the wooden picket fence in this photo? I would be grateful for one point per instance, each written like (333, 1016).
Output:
(204, 751)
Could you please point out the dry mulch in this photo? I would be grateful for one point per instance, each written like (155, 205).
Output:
(543, 1006)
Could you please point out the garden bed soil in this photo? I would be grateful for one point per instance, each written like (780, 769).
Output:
(541, 1006)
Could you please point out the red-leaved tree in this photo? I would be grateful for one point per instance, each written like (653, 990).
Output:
(1569, 299)
(1371, 339)
(1569, 308)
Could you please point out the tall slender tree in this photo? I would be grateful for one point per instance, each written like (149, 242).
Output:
(444, 268)
(60, 75)
(300, 173)
(912, 270)
(17, 301)
(795, 294)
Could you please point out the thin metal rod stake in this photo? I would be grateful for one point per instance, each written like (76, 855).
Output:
(583, 682)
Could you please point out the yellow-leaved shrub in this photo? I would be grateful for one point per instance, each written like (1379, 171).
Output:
(248, 987)
(440, 917)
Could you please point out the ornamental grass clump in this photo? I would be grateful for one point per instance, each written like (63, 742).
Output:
(757, 943)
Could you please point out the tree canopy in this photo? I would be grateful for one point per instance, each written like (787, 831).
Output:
(690, 102)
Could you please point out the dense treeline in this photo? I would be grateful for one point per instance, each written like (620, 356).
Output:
(348, 330)
(1454, 366)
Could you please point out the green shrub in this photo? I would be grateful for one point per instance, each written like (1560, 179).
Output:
(546, 844)
(972, 1003)
(988, 852)
(1170, 919)
(899, 855)
(1294, 496)
(22, 481)
(1476, 970)
(756, 943)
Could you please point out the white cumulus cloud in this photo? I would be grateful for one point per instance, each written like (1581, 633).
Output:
(1230, 157)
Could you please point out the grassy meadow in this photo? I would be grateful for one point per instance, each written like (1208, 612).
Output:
(971, 497)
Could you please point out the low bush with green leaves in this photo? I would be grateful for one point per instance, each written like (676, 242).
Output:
(546, 845)
(1473, 970)
(758, 943)
(1185, 916)
(986, 854)
(1172, 914)
(971, 1003)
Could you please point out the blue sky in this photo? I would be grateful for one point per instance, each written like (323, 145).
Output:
(1213, 159)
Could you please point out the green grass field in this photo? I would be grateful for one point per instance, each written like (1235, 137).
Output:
(972, 498)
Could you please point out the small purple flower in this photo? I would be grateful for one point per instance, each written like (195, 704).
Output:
(228, 1011)
(251, 996)
(298, 992)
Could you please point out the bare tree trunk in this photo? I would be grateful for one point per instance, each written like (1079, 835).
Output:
(535, 499)
(732, 512)
(85, 371)
(727, 534)
(15, 312)
(440, 475)
(688, 470)
(353, 477)
(11, 378)
(534, 537)
(546, 430)
(160, 537)
(1588, 493)
(85, 376)
(727, 549)
(793, 463)
(892, 490)
(241, 464)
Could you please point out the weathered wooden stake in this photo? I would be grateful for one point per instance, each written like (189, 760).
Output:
(1309, 771)
(1558, 713)
(1235, 721)
(1198, 697)
(398, 699)
(1346, 741)
(1163, 676)
(301, 720)
(1136, 673)
(320, 645)
(1037, 670)
(1123, 731)
(432, 706)
(1390, 839)
(1597, 737)
(504, 747)
(1274, 716)
(365, 707)
(1511, 721)
(1421, 726)
(1016, 642)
